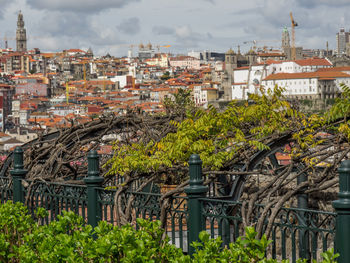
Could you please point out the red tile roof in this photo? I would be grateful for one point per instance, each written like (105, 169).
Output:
(308, 75)
(313, 62)
(242, 68)
(335, 69)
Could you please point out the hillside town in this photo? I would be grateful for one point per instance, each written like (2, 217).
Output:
(169, 131)
(43, 91)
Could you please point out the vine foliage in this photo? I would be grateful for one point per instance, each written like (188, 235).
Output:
(156, 149)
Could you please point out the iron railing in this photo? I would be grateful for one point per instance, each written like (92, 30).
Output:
(56, 198)
(6, 189)
(296, 233)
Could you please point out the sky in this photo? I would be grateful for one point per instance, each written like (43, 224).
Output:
(111, 26)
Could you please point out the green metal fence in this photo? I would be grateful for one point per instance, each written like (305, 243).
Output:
(6, 192)
(295, 232)
(290, 228)
(55, 198)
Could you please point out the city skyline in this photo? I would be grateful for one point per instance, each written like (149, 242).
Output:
(110, 26)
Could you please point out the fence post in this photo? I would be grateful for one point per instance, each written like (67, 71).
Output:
(304, 246)
(195, 190)
(93, 180)
(342, 208)
(18, 173)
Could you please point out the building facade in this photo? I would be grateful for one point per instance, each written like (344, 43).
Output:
(309, 85)
(285, 38)
(185, 62)
(342, 40)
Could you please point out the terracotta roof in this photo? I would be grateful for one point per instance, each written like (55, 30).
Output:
(308, 75)
(313, 62)
(271, 61)
(335, 69)
(75, 50)
(242, 68)
(2, 134)
(161, 89)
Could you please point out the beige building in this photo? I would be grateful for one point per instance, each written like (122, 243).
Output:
(160, 60)
(185, 62)
(15, 61)
(203, 94)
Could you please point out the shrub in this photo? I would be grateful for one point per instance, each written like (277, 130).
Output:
(69, 239)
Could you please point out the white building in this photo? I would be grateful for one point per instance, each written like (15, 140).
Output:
(297, 66)
(308, 85)
(123, 80)
(249, 79)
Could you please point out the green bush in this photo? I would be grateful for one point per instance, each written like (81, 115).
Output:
(246, 249)
(69, 239)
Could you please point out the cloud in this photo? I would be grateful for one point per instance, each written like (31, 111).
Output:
(4, 4)
(130, 26)
(59, 30)
(65, 24)
(106, 24)
(79, 6)
(163, 30)
(186, 37)
(210, 1)
(316, 3)
(184, 31)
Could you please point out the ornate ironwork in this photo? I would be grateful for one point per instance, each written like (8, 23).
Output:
(6, 192)
(224, 218)
(56, 197)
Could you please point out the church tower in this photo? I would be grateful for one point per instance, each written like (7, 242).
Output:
(21, 35)
(228, 79)
(285, 38)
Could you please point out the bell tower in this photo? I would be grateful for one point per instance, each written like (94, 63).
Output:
(21, 34)
(228, 78)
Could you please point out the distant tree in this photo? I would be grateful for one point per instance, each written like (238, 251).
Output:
(165, 76)
(181, 104)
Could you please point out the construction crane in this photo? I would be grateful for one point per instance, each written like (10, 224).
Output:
(6, 39)
(260, 41)
(84, 72)
(67, 93)
(253, 42)
(159, 46)
(294, 24)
